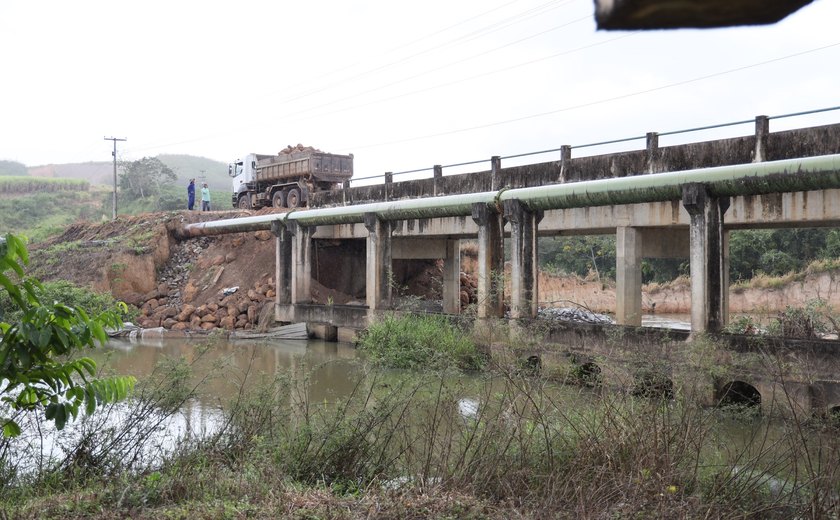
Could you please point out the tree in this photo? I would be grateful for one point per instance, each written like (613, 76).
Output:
(13, 168)
(145, 177)
(35, 350)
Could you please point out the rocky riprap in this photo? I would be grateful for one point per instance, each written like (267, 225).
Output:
(573, 314)
(169, 305)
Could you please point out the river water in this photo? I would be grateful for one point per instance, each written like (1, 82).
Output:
(332, 368)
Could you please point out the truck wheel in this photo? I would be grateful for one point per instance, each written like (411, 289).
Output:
(277, 199)
(293, 198)
(244, 202)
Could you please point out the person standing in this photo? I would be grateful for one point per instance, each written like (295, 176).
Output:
(205, 197)
(191, 195)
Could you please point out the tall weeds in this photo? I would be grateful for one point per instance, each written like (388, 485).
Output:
(503, 444)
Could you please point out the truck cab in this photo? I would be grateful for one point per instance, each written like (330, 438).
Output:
(243, 173)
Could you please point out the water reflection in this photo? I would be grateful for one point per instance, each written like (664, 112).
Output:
(227, 365)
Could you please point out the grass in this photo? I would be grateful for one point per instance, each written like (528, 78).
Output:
(401, 446)
(419, 341)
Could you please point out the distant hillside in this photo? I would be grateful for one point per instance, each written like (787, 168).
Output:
(12, 168)
(184, 166)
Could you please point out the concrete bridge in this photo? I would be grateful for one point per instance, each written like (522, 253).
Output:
(660, 202)
(678, 202)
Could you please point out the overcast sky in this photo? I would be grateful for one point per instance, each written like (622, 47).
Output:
(401, 85)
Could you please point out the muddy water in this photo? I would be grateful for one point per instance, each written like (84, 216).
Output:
(331, 367)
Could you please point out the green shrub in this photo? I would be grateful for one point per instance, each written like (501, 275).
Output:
(67, 293)
(413, 341)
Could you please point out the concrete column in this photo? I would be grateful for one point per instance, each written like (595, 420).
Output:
(378, 265)
(724, 310)
(524, 274)
(652, 152)
(452, 278)
(706, 238)
(491, 261)
(283, 262)
(301, 290)
(628, 276)
(762, 130)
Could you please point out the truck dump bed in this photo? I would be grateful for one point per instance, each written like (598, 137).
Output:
(319, 166)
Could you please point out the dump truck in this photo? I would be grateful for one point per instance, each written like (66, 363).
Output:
(286, 180)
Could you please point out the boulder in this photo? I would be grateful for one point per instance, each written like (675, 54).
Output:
(186, 311)
(263, 235)
(226, 322)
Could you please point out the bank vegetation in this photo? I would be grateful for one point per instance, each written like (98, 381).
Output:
(500, 443)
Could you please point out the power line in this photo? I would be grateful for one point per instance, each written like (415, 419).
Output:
(405, 59)
(328, 87)
(597, 102)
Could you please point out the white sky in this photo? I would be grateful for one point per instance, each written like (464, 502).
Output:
(402, 85)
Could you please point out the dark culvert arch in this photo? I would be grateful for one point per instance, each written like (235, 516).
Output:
(739, 393)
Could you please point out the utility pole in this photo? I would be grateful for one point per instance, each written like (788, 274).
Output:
(114, 154)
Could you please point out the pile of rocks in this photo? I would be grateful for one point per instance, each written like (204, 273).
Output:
(289, 150)
(573, 314)
(234, 308)
(469, 284)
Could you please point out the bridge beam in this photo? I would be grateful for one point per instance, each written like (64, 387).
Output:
(707, 259)
(491, 259)
(524, 276)
(379, 268)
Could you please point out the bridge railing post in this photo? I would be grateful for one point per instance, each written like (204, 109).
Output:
(389, 181)
(762, 130)
(652, 139)
(565, 160)
(436, 178)
(495, 172)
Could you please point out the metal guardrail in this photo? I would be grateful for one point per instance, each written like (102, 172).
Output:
(599, 143)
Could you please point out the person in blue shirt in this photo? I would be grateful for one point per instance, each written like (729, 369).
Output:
(191, 194)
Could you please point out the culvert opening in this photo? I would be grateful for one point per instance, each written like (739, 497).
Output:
(653, 385)
(739, 393)
(532, 365)
(587, 374)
